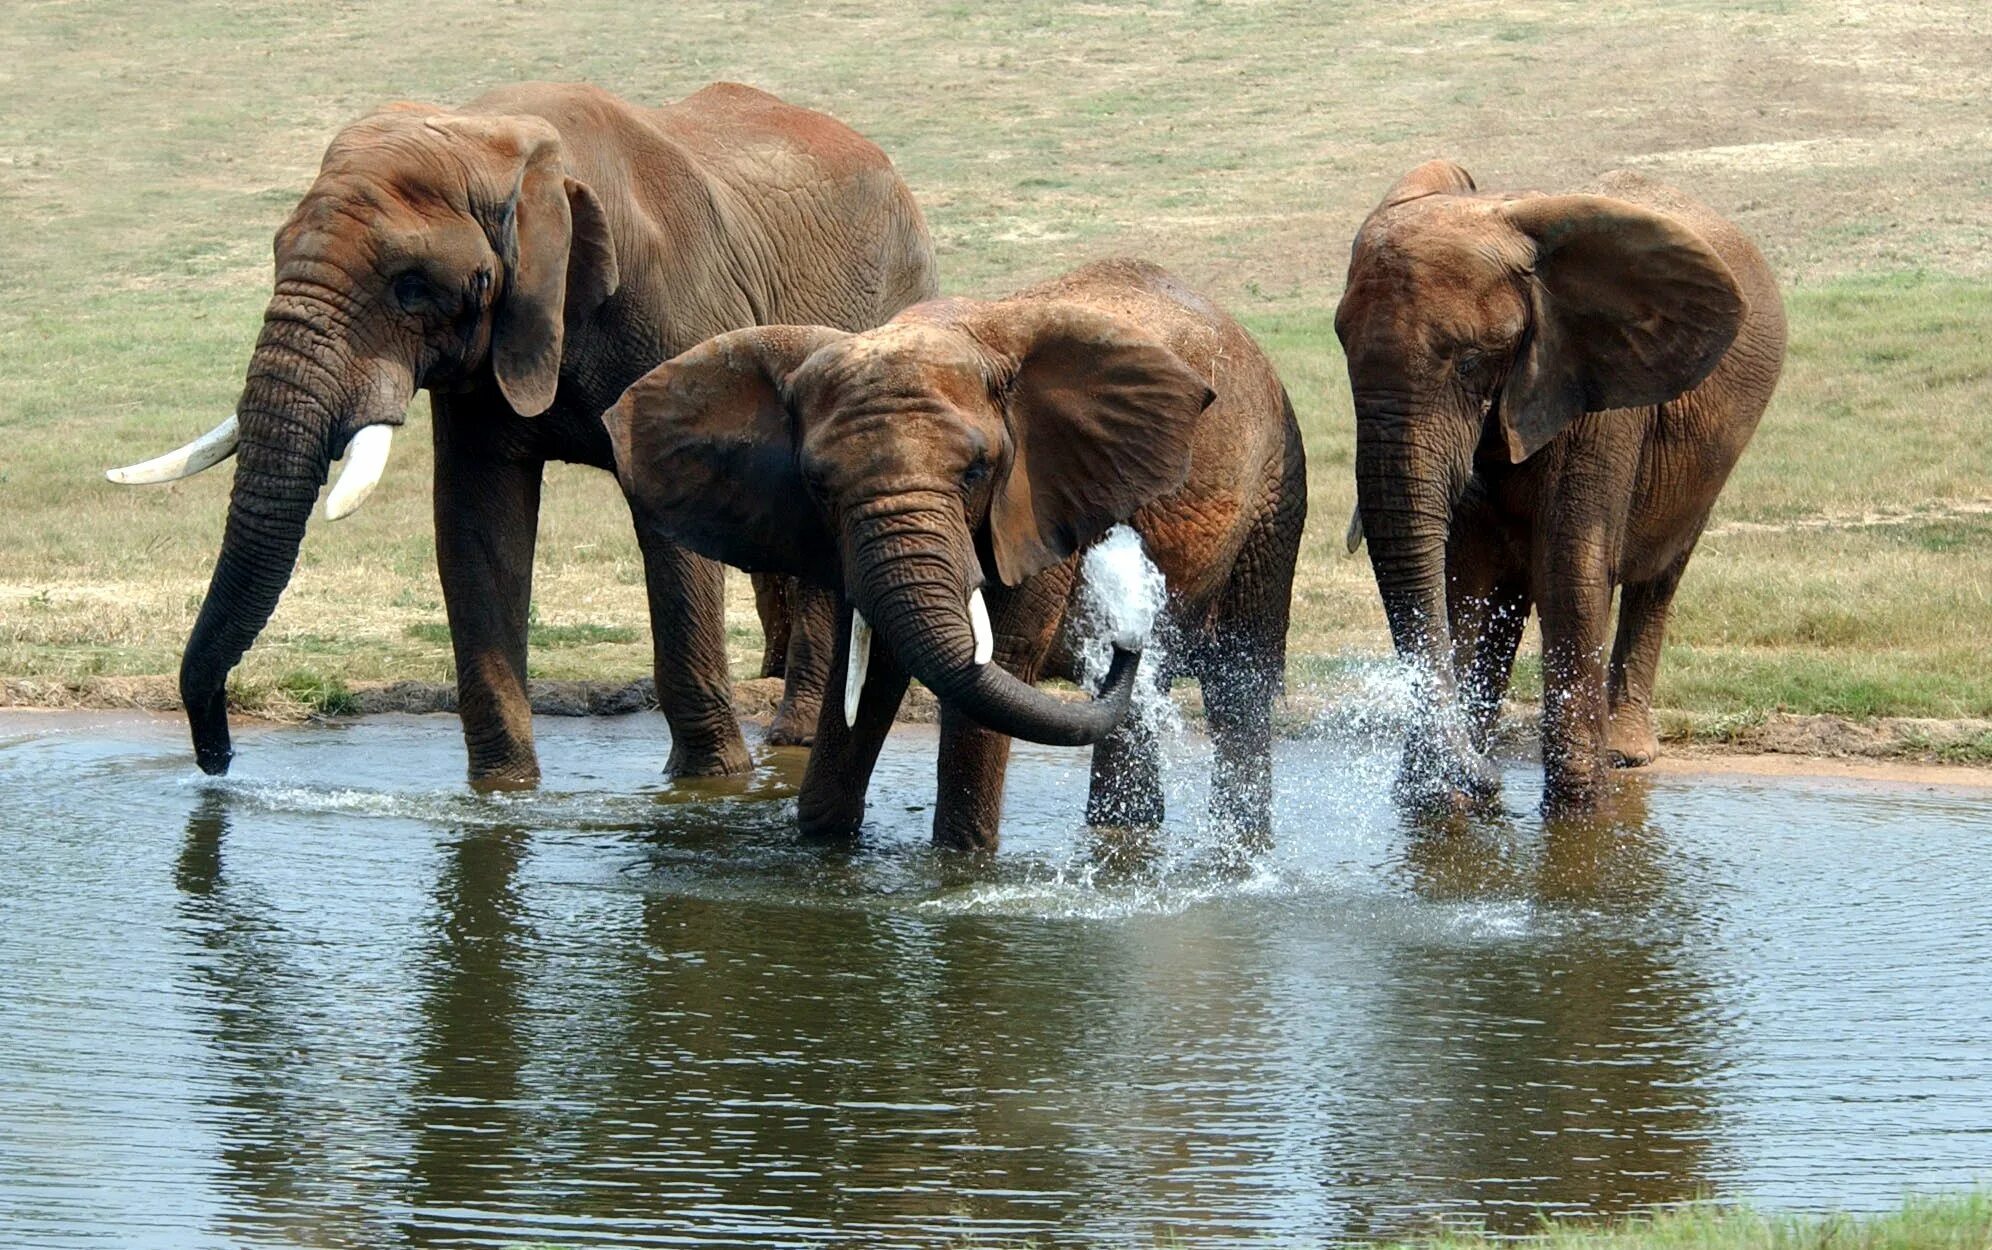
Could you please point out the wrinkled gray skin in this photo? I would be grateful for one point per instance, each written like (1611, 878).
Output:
(1550, 392)
(525, 258)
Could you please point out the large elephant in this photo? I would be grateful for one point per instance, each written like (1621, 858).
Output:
(1550, 391)
(941, 473)
(524, 259)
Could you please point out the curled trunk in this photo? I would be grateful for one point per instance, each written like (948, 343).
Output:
(918, 601)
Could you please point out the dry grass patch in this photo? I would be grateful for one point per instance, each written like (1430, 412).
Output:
(147, 154)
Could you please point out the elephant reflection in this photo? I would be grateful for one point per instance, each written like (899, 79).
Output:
(284, 1146)
(1563, 1066)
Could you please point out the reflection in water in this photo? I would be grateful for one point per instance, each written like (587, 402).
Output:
(1570, 1073)
(280, 1115)
(380, 1015)
(474, 1141)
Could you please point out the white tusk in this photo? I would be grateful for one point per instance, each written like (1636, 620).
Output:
(1355, 535)
(366, 460)
(978, 620)
(854, 672)
(205, 452)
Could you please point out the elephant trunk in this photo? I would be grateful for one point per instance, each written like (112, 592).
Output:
(1411, 470)
(915, 593)
(291, 429)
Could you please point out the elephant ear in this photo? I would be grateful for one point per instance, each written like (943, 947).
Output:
(1101, 419)
(707, 449)
(1434, 177)
(552, 237)
(1628, 307)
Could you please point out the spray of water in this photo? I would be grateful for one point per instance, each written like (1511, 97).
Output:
(1121, 598)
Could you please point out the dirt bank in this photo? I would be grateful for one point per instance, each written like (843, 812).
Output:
(1913, 748)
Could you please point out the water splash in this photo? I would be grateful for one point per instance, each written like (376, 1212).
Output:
(1121, 598)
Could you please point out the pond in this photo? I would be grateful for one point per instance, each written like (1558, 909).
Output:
(338, 999)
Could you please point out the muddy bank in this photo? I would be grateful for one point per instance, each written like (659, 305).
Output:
(1950, 744)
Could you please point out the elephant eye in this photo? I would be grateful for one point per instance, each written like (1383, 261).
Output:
(974, 473)
(1468, 362)
(414, 293)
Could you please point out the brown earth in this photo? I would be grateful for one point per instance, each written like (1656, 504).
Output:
(1955, 751)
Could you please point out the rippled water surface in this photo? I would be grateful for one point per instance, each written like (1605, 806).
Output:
(340, 1000)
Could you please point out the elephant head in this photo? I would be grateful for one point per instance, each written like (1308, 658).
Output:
(909, 465)
(1477, 328)
(433, 250)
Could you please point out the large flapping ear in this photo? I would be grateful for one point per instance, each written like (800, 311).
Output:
(1101, 416)
(1434, 177)
(553, 239)
(706, 449)
(1628, 307)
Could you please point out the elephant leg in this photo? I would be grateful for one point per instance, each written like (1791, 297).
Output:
(1243, 665)
(1576, 608)
(968, 798)
(1484, 683)
(832, 801)
(487, 523)
(772, 604)
(968, 792)
(1125, 790)
(812, 625)
(1487, 606)
(688, 648)
(1643, 607)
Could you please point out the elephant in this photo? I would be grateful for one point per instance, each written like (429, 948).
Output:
(943, 475)
(524, 258)
(1550, 391)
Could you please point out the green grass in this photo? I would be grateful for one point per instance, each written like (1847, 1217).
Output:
(1960, 1222)
(148, 153)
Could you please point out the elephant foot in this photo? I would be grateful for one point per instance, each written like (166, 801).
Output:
(1630, 741)
(1452, 781)
(830, 820)
(1567, 794)
(794, 724)
(518, 776)
(716, 760)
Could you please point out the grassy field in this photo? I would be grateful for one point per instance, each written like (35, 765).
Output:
(148, 151)
(1963, 1223)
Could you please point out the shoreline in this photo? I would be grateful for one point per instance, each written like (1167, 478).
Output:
(1908, 750)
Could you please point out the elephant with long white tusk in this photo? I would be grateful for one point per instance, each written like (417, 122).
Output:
(523, 259)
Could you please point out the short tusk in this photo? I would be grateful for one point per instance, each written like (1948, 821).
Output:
(978, 620)
(854, 672)
(205, 452)
(1355, 535)
(366, 460)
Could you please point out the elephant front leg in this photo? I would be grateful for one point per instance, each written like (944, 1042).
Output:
(968, 796)
(1629, 738)
(688, 648)
(832, 801)
(812, 628)
(1574, 617)
(487, 521)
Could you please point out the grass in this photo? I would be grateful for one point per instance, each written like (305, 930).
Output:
(146, 156)
(1959, 1222)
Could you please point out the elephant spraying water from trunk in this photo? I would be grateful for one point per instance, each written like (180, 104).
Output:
(942, 473)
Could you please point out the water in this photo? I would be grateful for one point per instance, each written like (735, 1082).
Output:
(338, 1000)
(1121, 595)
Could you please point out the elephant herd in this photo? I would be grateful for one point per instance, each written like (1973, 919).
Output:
(732, 304)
